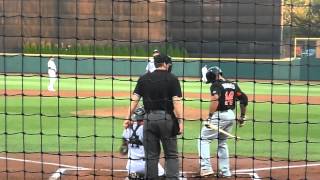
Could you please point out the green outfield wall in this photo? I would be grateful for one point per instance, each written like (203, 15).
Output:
(300, 69)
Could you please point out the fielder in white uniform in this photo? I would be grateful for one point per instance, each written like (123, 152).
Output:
(204, 71)
(150, 66)
(134, 135)
(52, 74)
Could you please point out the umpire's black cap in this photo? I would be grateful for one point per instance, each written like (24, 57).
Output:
(162, 59)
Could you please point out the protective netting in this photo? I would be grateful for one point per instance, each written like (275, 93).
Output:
(63, 119)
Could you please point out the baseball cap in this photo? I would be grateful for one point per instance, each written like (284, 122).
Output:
(155, 51)
(162, 59)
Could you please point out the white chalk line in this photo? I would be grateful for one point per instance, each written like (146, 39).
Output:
(116, 170)
(276, 167)
(39, 162)
(254, 176)
(57, 174)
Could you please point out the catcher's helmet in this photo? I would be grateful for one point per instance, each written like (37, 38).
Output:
(212, 74)
(138, 114)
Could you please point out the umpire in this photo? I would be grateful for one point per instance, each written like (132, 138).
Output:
(162, 100)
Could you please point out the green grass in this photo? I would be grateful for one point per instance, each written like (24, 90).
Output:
(58, 134)
(124, 84)
(47, 124)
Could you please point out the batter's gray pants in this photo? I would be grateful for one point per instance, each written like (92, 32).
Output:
(225, 121)
(158, 126)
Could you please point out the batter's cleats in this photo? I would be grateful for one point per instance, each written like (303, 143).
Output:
(205, 172)
(225, 174)
(52, 90)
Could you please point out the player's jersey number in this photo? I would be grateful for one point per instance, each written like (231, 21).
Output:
(229, 98)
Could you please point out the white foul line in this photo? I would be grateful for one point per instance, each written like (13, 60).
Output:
(254, 176)
(276, 167)
(115, 170)
(60, 171)
(39, 162)
(57, 174)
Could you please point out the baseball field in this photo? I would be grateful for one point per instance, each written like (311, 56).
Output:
(80, 127)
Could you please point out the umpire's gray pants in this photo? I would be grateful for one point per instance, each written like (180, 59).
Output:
(225, 121)
(158, 126)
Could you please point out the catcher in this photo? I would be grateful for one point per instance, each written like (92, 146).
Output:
(133, 137)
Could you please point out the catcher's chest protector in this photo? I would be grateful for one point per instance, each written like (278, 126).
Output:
(134, 139)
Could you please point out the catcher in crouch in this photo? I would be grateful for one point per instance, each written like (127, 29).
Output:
(224, 94)
(134, 137)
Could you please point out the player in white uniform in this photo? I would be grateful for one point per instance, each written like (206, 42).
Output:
(204, 71)
(52, 73)
(150, 66)
(134, 136)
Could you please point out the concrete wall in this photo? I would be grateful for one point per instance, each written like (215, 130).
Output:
(79, 21)
(233, 28)
(304, 69)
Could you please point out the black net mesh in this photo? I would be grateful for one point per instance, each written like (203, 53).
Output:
(63, 118)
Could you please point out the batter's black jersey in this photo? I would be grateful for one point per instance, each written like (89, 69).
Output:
(157, 89)
(228, 93)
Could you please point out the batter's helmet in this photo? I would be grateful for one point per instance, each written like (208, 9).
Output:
(139, 114)
(212, 74)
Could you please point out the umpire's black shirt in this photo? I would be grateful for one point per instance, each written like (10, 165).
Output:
(157, 89)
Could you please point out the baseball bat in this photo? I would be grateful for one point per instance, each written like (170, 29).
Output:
(216, 128)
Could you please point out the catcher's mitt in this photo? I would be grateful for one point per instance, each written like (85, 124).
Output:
(124, 147)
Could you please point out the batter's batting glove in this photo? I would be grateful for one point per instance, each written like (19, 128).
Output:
(124, 147)
(242, 120)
